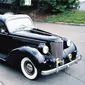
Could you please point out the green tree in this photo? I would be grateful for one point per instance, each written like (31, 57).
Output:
(22, 2)
(57, 5)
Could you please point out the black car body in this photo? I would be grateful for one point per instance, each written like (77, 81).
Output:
(34, 50)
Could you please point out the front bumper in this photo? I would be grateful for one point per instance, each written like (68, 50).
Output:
(59, 68)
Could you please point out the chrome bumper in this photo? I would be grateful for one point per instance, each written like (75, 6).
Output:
(58, 68)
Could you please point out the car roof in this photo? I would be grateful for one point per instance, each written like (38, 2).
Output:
(9, 16)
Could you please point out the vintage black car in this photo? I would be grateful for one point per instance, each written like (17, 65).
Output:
(35, 51)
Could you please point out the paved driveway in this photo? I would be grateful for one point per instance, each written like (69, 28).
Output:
(75, 75)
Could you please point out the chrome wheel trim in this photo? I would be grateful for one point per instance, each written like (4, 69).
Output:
(28, 68)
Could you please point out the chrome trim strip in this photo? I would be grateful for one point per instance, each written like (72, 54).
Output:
(57, 69)
(2, 59)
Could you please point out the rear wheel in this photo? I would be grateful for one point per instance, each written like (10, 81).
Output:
(28, 68)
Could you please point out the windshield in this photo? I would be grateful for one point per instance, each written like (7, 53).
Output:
(19, 24)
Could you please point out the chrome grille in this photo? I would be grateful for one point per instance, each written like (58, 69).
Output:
(57, 49)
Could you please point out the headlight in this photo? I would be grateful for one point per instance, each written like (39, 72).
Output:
(68, 42)
(45, 49)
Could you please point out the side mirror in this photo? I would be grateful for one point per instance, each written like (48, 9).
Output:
(2, 31)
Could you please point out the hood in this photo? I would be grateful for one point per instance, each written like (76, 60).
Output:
(36, 34)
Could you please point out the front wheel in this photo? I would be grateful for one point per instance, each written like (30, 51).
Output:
(28, 68)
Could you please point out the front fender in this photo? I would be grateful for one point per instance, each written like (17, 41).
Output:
(17, 54)
(34, 52)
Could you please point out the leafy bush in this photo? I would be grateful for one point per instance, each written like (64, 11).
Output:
(22, 2)
(57, 5)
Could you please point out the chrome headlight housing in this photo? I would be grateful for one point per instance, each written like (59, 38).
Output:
(68, 42)
(43, 48)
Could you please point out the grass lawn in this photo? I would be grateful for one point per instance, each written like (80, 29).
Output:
(72, 16)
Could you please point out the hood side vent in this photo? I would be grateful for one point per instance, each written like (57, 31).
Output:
(38, 31)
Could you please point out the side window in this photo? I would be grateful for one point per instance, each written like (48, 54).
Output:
(2, 27)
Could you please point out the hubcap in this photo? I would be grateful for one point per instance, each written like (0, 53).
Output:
(29, 68)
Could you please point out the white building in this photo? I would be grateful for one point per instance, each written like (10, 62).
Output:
(82, 0)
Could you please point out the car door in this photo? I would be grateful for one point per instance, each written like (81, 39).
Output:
(5, 39)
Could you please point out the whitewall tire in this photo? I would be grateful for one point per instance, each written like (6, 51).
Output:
(28, 68)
